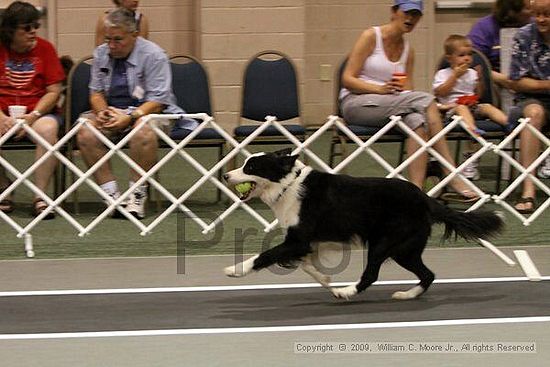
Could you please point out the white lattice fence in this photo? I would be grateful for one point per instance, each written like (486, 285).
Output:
(178, 149)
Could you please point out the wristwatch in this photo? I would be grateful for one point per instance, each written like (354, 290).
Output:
(135, 115)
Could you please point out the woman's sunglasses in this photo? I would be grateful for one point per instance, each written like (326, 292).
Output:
(29, 27)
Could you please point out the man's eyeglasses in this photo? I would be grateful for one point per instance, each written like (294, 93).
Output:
(29, 26)
(115, 40)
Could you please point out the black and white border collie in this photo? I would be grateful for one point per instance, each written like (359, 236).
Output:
(392, 217)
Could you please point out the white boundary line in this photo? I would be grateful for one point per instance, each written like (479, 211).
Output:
(529, 268)
(74, 292)
(272, 329)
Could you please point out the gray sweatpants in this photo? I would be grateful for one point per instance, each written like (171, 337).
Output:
(375, 109)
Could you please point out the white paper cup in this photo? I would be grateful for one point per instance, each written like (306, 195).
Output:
(17, 111)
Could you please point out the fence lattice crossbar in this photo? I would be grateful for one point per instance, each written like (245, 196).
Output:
(159, 123)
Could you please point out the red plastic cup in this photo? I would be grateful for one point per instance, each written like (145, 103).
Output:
(401, 78)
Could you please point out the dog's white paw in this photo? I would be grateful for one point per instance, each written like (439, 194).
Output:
(241, 269)
(231, 271)
(410, 294)
(344, 292)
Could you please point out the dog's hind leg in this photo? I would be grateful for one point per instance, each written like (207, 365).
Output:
(413, 263)
(369, 276)
(308, 267)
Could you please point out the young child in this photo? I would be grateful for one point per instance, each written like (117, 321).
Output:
(451, 84)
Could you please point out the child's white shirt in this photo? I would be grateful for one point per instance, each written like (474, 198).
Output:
(465, 85)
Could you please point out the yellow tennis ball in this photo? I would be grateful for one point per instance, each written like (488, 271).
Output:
(243, 187)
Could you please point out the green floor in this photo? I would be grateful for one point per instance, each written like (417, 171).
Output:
(115, 237)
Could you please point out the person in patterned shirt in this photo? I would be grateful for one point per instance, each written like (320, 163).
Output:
(31, 75)
(530, 75)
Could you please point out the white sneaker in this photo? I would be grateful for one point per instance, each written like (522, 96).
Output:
(470, 171)
(116, 213)
(544, 169)
(136, 203)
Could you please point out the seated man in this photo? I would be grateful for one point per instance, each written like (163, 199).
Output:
(530, 73)
(130, 78)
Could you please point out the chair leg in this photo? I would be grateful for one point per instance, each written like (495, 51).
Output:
(70, 154)
(305, 156)
(154, 193)
(331, 153)
(63, 179)
(499, 175)
(334, 140)
(76, 206)
(457, 151)
(56, 182)
(220, 174)
(343, 150)
(401, 151)
(232, 163)
(514, 156)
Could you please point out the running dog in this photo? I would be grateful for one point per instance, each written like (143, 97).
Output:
(392, 217)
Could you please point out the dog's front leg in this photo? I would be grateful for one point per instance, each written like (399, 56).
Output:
(285, 253)
(241, 269)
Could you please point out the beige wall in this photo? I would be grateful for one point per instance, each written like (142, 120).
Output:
(171, 24)
(317, 34)
(233, 31)
(454, 22)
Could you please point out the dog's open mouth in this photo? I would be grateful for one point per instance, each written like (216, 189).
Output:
(244, 189)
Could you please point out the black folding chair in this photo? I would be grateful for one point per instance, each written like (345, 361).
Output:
(77, 102)
(191, 87)
(270, 88)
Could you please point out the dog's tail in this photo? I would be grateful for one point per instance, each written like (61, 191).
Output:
(468, 225)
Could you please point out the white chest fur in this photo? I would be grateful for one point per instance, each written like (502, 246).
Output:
(287, 212)
(286, 206)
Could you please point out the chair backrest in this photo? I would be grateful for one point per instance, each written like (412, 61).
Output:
(338, 86)
(190, 84)
(489, 92)
(78, 92)
(270, 87)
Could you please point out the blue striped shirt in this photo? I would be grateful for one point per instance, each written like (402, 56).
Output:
(149, 77)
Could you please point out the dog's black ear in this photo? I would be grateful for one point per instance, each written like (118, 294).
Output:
(283, 152)
(288, 162)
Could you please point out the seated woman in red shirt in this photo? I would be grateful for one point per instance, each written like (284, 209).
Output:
(31, 76)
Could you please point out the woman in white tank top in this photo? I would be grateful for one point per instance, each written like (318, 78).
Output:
(372, 94)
